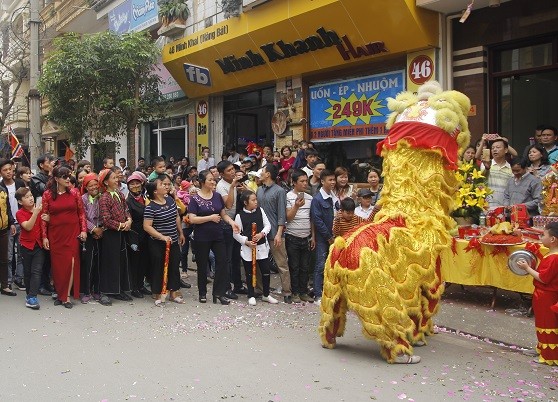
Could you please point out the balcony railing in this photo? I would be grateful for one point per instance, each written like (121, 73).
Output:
(98, 5)
(69, 10)
(48, 15)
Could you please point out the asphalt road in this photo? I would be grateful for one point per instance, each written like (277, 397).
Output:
(194, 352)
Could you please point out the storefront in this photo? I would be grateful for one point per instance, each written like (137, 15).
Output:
(281, 56)
(247, 117)
(506, 60)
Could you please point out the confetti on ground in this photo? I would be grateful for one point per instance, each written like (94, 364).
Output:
(299, 317)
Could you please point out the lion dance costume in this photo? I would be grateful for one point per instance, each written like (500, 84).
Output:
(388, 271)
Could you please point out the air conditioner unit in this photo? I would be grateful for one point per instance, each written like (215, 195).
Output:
(250, 4)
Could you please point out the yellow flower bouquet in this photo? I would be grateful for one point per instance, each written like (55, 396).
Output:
(470, 197)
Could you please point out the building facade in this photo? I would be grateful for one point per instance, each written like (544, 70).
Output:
(279, 71)
(285, 70)
(504, 56)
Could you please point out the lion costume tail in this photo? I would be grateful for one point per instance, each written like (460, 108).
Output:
(367, 279)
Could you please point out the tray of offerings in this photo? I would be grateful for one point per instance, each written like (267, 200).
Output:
(502, 241)
(503, 234)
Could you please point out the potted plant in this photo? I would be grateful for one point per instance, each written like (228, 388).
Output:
(470, 197)
(231, 8)
(173, 11)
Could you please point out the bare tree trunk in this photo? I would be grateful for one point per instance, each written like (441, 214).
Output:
(132, 138)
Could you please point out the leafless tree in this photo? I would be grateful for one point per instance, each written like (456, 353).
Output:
(14, 64)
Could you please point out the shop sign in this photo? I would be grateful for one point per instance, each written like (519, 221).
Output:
(202, 124)
(168, 86)
(119, 18)
(280, 50)
(421, 67)
(197, 74)
(353, 109)
(133, 15)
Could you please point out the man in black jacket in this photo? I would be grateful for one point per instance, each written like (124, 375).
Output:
(38, 186)
(39, 181)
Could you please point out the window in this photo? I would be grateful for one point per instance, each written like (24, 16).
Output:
(522, 58)
(525, 83)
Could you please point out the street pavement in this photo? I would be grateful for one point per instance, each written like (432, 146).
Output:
(195, 352)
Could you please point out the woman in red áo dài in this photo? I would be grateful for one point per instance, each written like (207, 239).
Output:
(62, 233)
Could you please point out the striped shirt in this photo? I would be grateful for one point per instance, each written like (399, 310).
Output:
(498, 177)
(164, 217)
(342, 227)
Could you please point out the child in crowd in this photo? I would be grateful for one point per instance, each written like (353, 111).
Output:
(545, 297)
(254, 178)
(159, 167)
(300, 160)
(364, 210)
(184, 193)
(277, 159)
(346, 220)
(31, 248)
(251, 213)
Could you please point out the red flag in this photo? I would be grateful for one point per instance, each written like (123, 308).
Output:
(69, 153)
(17, 150)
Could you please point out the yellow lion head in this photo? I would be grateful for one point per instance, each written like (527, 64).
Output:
(431, 105)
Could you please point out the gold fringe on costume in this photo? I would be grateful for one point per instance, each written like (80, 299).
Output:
(388, 271)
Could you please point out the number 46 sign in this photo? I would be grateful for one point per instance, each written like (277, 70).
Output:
(421, 68)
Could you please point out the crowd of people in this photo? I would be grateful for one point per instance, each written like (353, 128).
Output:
(68, 231)
(123, 233)
(515, 178)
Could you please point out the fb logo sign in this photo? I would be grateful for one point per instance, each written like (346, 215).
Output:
(197, 74)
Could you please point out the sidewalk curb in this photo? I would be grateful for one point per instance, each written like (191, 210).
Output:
(485, 339)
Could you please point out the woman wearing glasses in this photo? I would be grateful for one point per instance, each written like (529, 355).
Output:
(66, 226)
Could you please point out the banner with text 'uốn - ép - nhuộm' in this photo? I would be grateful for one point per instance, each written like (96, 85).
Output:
(354, 109)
